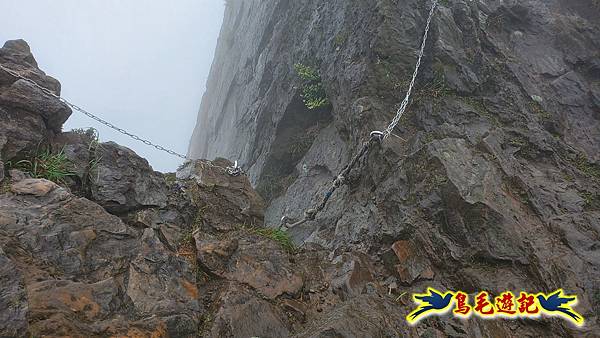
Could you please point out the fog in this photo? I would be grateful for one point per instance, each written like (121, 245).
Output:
(142, 65)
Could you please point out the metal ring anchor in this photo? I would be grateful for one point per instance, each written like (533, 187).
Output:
(377, 135)
(234, 170)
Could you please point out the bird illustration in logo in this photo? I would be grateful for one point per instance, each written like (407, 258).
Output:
(429, 303)
(558, 303)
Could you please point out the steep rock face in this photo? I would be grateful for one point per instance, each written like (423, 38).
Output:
(86, 273)
(491, 180)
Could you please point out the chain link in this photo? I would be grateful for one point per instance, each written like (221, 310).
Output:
(376, 137)
(404, 104)
(92, 116)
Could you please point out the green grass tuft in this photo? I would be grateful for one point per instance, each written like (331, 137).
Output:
(54, 167)
(588, 198)
(340, 39)
(307, 73)
(170, 179)
(280, 236)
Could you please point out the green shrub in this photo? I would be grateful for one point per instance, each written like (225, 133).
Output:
(589, 169)
(313, 92)
(307, 73)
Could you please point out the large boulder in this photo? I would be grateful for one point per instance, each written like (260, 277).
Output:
(122, 181)
(110, 174)
(249, 259)
(226, 201)
(28, 116)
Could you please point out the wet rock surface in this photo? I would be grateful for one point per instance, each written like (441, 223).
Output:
(244, 315)
(252, 260)
(489, 182)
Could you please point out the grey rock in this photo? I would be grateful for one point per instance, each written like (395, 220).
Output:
(483, 175)
(21, 132)
(72, 235)
(226, 202)
(160, 283)
(18, 54)
(22, 95)
(249, 259)
(13, 298)
(18, 50)
(363, 316)
(86, 273)
(17, 175)
(244, 315)
(123, 181)
(353, 274)
(28, 116)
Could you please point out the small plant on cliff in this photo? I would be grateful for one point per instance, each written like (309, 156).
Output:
(90, 133)
(589, 169)
(55, 167)
(277, 235)
(313, 92)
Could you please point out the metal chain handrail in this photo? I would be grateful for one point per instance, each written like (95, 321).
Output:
(233, 170)
(388, 131)
(92, 116)
(309, 214)
(376, 137)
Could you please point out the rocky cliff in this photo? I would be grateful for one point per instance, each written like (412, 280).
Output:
(491, 180)
(94, 243)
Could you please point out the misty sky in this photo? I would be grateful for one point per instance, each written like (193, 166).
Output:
(139, 64)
